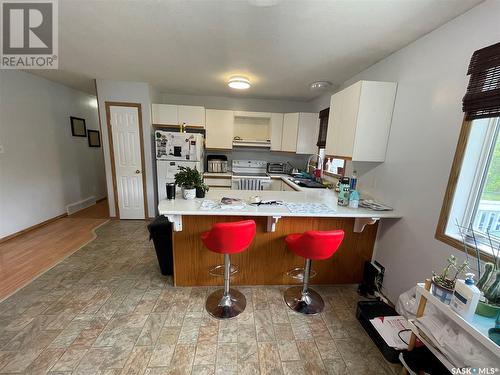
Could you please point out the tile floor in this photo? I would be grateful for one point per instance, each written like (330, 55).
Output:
(107, 310)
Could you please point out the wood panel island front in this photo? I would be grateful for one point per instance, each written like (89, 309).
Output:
(267, 260)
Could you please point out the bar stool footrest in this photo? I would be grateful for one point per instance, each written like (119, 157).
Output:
(218, 270)
(297, 273)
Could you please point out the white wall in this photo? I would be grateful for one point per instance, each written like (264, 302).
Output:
(130, 92)
(237, 103)
(431, 76)
(43, 167)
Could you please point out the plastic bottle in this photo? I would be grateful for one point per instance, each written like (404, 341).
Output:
(465, 297)
(328, 165)
(354, 180)
(354, 199)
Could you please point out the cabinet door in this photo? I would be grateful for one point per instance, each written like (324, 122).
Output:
(286, 187)
(290, 128)
(307, 134)
(219, 129)
(276, 131)
(276, 184)
(376, 105)
(342, 122)
(191, 115)
(164, 114)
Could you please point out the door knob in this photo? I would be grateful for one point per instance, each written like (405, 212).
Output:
(137, 171)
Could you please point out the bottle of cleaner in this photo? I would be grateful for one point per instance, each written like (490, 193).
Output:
(354, 180)
(328, 165)
(465, 297)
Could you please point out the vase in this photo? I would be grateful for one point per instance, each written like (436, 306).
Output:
(188, 193)
(200, 192)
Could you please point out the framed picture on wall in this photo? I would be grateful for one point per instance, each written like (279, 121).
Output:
(78, 128)
(94, 138)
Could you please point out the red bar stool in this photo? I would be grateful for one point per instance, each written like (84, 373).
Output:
(228, 238)
(312, 245)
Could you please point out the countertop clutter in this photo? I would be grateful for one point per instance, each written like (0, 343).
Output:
(325, 197)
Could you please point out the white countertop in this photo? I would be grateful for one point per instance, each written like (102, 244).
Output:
(180, 206)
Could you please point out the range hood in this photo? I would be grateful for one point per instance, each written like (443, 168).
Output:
(238, 142)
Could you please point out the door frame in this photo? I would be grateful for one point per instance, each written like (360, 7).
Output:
(112, 152)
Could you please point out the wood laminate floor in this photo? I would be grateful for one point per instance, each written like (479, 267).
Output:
(25, 257)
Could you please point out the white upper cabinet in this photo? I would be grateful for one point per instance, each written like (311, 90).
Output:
(276, 131)
(164, 114)
(219, 129)
(289, 134)
(300, 133)
(191, 115)
(307, 134)
(360, 121)
(170, 114)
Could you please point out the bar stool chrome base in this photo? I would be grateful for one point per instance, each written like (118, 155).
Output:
(227, 306)
(308, 302)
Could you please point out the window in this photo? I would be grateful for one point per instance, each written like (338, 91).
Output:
(472, 201)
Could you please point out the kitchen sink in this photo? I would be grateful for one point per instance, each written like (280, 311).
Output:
(307, 183)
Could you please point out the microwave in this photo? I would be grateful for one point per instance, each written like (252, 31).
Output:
(276, 167)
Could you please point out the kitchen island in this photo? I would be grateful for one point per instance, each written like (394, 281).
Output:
(267, 260)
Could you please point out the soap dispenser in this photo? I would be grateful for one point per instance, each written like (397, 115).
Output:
(465, 297)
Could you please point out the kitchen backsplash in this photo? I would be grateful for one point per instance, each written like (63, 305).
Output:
(298, 161)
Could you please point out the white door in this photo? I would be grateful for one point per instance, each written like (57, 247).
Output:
(128, 161)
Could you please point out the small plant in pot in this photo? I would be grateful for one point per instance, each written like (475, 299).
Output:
(188, 178)
(201, 189)
(444, 283)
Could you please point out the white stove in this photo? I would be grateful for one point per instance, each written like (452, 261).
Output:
(250, 175)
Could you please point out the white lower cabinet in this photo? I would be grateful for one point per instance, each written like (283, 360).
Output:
(286, 187)
(219, 129)
(276, 184)
(218, 182)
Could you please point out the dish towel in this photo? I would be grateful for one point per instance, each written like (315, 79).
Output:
(249, 184)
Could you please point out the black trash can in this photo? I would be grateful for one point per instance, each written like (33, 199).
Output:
(160, 231)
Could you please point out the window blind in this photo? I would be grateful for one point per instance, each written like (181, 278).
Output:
(323, 127)
(482, 98)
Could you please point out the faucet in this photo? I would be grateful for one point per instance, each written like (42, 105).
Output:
(318, 166)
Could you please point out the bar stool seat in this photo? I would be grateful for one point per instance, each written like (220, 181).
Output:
(311, 245)
(228, 238)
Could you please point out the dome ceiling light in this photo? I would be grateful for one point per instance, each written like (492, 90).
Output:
(319, 85)
(239, 83)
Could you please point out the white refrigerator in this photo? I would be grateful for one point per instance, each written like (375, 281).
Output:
(174, 150)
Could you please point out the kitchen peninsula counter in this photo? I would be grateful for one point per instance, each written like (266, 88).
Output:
(267, 260)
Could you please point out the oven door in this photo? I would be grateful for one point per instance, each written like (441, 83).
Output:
(250, 183)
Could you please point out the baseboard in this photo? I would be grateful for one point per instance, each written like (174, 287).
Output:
(29, 229)
(74, 207)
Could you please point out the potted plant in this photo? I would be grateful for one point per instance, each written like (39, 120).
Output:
(444, 284)
(489, 273)
(201, 189)
(188, 178)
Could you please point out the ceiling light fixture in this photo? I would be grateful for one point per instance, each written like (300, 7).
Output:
(319, 85)
(239, 83)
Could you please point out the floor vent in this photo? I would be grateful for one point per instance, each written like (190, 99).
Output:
(80, 205)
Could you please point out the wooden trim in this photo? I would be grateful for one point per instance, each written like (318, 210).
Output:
(456, 166)
(112, 153)
(218, 149)
(29, 229)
